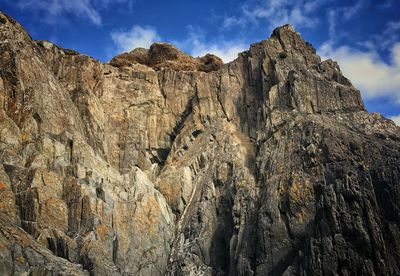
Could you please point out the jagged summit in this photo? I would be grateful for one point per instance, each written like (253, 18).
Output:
(285, 27)
(165, 55)
(147, 165)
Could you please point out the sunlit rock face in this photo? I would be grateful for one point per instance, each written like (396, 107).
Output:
(158, 163)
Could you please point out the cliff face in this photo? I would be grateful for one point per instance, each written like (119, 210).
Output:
(162, 164)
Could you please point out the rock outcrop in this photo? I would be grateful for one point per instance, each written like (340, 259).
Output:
(158, 163)
(163, 55)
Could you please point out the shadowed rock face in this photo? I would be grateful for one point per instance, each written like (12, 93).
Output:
(148, 165)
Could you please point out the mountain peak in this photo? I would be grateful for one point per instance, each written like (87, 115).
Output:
(285, 27)
(159, 163)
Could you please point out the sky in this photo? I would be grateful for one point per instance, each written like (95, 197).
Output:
(362, 35)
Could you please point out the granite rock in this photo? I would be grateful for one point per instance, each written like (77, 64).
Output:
(158, 163)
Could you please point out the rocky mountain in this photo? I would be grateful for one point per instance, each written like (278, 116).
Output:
(158, 163)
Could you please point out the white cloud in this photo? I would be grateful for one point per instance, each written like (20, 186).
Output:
(227, 51)
(196, 45)
(366, 69)
(137, 36)
(396, 119)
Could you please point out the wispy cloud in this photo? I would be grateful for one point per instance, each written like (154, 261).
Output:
(386, 4)
(342, 14)
(54, 10)
(367, 70)
(300, 13)
(136, 37)
(389, 36)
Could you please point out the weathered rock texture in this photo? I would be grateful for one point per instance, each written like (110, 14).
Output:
(163, 55)
(162, 164)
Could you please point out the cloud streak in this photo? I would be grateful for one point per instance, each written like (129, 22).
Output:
(367, 70)
(341, 14)
(53, 10)
(389, 36)
(299, 13)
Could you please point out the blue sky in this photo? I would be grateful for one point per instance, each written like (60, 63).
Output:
(362, 35)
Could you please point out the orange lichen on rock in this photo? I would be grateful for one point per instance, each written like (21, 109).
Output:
(171, 192)
(301, 190)
(3, 186)
(7, 199)
(147, 217)
(86, 245)
(55, 213)
(102, 232)
(4, 245)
